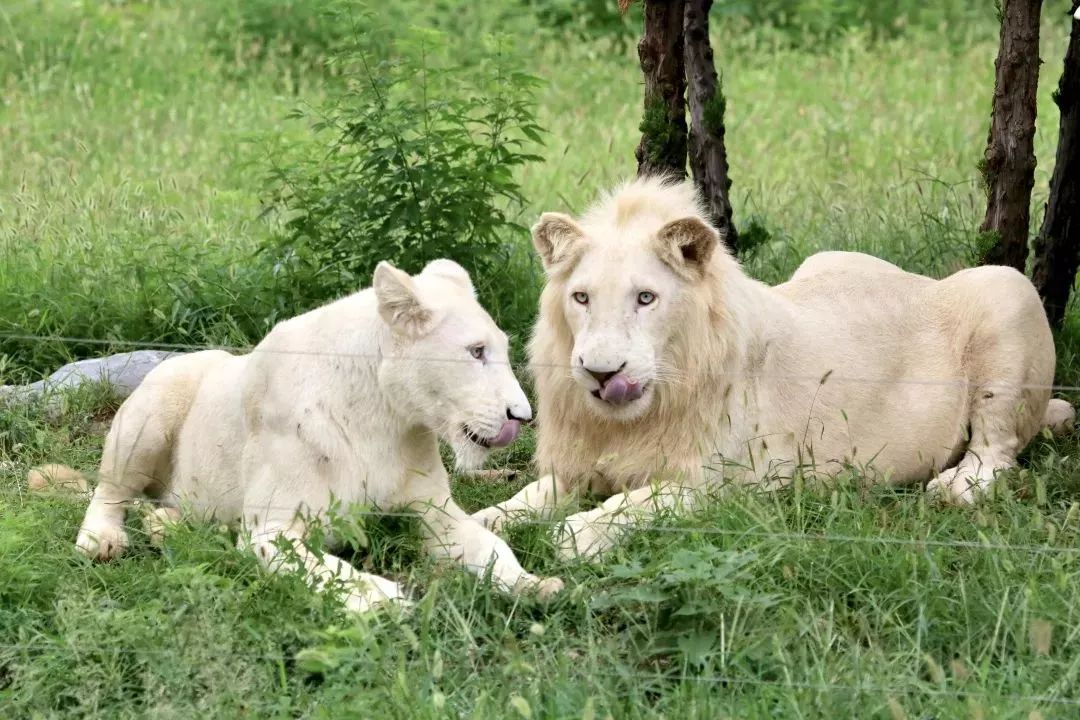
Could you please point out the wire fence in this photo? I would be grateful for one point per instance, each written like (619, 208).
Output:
(915, 544)
(829, 376)
(983, 544)
(713, 679)
(851, 686)
(193, 509)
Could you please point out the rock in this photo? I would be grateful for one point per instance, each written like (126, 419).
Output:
(122, 372)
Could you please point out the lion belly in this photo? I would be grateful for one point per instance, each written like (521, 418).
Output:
(891, 421)
(884, 363)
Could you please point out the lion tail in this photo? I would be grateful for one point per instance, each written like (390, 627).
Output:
(57, 478)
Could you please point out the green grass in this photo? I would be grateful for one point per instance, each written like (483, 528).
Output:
(133, 140)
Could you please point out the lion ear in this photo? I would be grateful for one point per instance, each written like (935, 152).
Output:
(399, 305)
(555, 237)
(687, 244)
(451, 271)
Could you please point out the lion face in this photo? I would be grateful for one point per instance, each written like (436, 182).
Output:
(622, 284)
(449, 364)
(619, 307)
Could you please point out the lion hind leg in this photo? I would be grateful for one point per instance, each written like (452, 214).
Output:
(1008, 359)
(137, 453)
(1002, 423)
(1060, 417)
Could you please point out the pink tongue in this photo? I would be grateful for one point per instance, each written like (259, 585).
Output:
(507, 434)
(619, 390)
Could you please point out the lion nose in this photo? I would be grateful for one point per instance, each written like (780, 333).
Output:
(602, 376)
(522, 416)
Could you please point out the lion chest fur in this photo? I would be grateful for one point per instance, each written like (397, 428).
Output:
(853, 362)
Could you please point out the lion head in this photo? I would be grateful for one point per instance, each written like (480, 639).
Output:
(627, 286)
(447, 365)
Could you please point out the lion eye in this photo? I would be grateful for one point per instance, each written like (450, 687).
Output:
(477, 351)
(581, 298)
(646, 298)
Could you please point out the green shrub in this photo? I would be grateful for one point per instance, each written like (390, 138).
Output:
(299, 36)
(806, 22)
(413, 160)
(589, 18)
(800, 22)
(179, 293)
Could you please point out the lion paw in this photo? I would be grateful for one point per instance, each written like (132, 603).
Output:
(59, 478)
(378, 594)
(549, 587)
(1060, 417)
(157, 523)
(493, 518)
(362, 605)
(578, 538)
(102, 543)
(963, 484)
(543, 588)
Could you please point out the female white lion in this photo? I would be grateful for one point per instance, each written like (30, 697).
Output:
(662, 368)
(344, 403)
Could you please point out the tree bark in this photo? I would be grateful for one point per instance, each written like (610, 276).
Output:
(1057, 249)
(663, 127)
(708, 155)
(1010, 151)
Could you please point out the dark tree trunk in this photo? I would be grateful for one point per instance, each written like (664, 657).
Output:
(663, 127)
(708, 156)
(1057, 249)
(1010, 150)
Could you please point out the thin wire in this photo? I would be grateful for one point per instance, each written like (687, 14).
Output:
(713, 679)
(821, 379)
(801, 537)
(117, 648)
(855, 689)
(893, 541)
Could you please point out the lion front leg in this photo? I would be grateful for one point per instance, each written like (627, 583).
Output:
(589, 534)
(281, 549)
(282, 497)
(452, 534)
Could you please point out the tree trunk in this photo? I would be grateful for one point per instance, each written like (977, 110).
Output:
(708, 156)
(663, 127)
(1057, 249)
(1010, 150)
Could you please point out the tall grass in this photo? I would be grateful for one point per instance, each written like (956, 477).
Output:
(132, 185)
(133, 141)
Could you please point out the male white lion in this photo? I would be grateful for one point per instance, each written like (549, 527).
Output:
(342, 403)
(661, 368)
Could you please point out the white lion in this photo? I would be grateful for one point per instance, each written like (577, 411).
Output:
(661, 368)
(344, 403)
